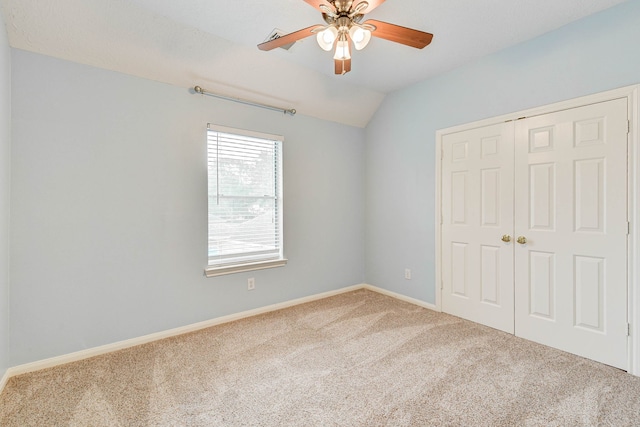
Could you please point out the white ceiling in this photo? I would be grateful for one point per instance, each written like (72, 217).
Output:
(212, 43)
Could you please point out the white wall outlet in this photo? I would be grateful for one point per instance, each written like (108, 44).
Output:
(407, 273)
(251, 283)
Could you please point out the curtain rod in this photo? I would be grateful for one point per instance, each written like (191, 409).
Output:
(202, 91)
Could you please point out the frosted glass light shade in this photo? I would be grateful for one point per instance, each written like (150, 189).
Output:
(360, 37)
(327, 37)
(342, 50)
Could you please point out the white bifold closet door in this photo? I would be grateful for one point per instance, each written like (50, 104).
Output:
(477, 210)
(571, 206)
(534, 229)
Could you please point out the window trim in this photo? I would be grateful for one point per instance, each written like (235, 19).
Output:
(211, 271)
(239, 265)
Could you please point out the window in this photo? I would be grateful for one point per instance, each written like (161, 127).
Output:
(245, 200)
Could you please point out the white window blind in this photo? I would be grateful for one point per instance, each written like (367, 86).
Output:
(245, 197)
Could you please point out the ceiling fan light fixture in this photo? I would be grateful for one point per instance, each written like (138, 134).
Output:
(344, 25)
(327, 37)
(359, 36)
(342, 50)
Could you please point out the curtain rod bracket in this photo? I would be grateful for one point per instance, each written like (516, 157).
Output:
(201, 91)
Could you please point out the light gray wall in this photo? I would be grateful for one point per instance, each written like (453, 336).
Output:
(5, 187)
(109, 207)
(589, 56)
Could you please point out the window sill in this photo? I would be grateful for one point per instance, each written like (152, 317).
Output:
(213, 271)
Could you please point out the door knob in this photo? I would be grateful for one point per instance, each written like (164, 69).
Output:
(506, 238)
(522, 240)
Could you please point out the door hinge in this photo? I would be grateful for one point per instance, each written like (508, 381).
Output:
(628, 329)
(628, 228)
(441, 284)
(628, 126)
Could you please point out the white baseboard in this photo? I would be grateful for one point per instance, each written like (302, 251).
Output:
(401, 297)
(120, 345)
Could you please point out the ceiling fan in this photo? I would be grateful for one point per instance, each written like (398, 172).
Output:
(344, 27)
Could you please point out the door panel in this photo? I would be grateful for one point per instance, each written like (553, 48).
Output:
(490, 273)
(541, 285)
(589, 180)
(571, 206)
(477, 210)
(542, 196)
(490, 197)
(459, 269)
(459, 198)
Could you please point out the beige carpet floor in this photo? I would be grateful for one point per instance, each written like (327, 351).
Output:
(357, 359)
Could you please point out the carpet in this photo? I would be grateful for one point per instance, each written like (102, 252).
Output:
(356, 359)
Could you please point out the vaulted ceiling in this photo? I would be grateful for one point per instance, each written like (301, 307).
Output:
(212, 43)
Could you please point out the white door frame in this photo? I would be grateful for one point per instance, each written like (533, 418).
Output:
(631, 93)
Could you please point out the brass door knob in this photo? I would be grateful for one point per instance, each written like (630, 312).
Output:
(522, 240)
(506, 238)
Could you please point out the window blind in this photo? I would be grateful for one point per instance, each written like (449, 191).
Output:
(245, 196)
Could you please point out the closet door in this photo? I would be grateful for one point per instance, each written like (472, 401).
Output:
(571, 207)
(477, 213)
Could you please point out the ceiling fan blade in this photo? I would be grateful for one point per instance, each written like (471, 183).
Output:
(288, 38)
(398, 34)
(317, 3)
(342, 66)
(372, 4)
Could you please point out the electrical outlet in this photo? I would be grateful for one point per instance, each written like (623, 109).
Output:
(251, 283)
(407, 273)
